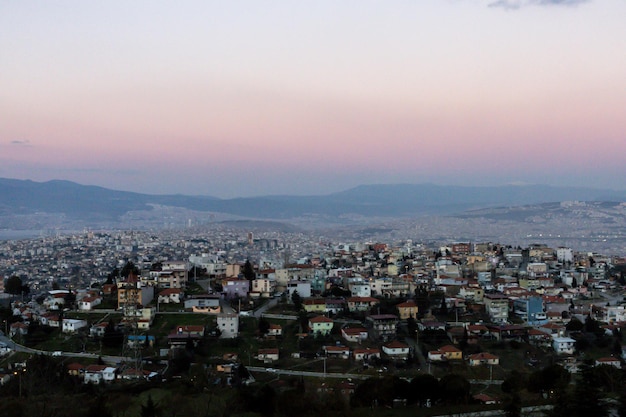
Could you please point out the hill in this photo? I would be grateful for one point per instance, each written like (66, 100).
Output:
(30, 204)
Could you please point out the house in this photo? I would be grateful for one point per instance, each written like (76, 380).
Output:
(356, 304)
(170, 296)
(137, 341)
(335, 306)
(431, 325)
(140, 318)
(275, 330)
(94, 374)
(263, 287)
(131, 293)
(354, 334)
(485, 399)
(268, 355)
(483, 358)
(314, 305)
(320, 325)
(98, 330)
(235, 288)
(208, 304)
(383, 326)
(75, 369)
(192, 330)
(228, 324)
(531, 310)
(4, 378)
(450, 352)
(497, 306)
(4, 349)
(407, 310)
(564, 345)
(302, 287)
(73, 325)
(18, 328)
(508, 332)
(135, 374)
(363, 354)
(45, 317)
(539, 338)
(55, 299)
(88, 303)
(334, 351)
(184, 334)
(396, 350)
(611, 361)
(436, 356)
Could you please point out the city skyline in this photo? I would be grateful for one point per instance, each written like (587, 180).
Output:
(244, 98)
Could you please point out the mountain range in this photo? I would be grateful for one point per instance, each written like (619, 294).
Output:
(95, 206)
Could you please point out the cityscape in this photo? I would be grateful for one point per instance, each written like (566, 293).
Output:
(300, 209)
(268, 323)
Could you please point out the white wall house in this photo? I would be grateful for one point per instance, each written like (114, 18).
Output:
(564, 345)
(73, 325)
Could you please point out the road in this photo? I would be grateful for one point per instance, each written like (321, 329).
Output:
(276, 371)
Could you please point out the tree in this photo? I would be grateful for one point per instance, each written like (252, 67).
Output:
(264, 326)
(129, 268)
(113, 275)
(514, 383)
(13, 285)
(424, 387)
(592, 326)
(112, 336)
(621, 406)
(296, 300)
(150, 409)
(574, 325)
(70, 300)
(444, 306)
(587, 399)
(513, 407)
(455, 389)
(551, 378)
(248, 271)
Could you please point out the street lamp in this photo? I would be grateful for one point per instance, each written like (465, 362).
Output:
(19, 373)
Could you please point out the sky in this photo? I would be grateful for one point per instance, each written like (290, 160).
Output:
(246, 98)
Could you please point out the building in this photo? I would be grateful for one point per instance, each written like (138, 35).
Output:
(483, 358)
(228, 324)
(209, 304)
(302, 287)
(396, 350)
(321, 325)
(383, 326)
(130, 293)
(354, 334)
(497, 306)
(236, 288)
(564, 345)
(531, 310)
(407, 310)
(73, 325)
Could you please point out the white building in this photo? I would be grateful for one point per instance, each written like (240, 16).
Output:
(564, 345)
(228, 324)
(303, 288)
(564, 255)
(73, 325)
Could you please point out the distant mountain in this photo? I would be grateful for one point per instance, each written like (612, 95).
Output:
(98, 205)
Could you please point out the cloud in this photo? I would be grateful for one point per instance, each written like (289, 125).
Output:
(20, 142)
(516, 4)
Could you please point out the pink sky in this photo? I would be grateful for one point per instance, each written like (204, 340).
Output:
(246, 98)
